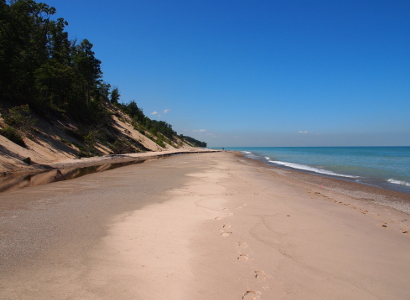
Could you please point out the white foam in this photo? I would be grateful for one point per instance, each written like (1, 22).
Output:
(400, 182)
(246, 152)
(311, 169)
(267, 158)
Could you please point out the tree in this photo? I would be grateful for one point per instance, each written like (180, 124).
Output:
(87, 67)
(115, 96)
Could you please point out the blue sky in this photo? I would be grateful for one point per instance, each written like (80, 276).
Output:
(257, 73)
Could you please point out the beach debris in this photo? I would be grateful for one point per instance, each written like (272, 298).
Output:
(384, 225)
(404, 231)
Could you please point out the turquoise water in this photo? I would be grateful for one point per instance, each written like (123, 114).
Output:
(386, 167)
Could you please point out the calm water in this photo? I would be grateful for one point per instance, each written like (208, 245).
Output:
(386, 167)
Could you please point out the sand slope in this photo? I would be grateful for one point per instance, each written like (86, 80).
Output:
(47, 147)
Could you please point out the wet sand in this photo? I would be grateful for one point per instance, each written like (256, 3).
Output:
(201, 226)
(38, 174)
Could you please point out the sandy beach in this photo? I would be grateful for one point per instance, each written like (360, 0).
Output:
(203, 226)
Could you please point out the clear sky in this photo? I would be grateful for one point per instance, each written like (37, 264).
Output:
(257, 73)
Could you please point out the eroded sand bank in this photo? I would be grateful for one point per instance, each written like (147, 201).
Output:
(200, 226)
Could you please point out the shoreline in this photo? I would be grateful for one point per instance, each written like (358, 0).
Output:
(200, 226)
(385, 172)
(68, 168)
(361, 191)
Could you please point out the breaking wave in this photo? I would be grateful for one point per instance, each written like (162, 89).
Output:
(399, 182)
(309, 168)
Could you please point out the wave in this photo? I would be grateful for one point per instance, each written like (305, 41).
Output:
(399, 182)
(309, 168)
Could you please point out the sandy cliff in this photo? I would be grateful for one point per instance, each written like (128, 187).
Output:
(52, 142)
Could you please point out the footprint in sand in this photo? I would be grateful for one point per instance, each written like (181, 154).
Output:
(251, 295)
(260, 275)
(243, 257)
(226, 233)
(242, 206)
(218, 218)
(229, 214)
(243, 244)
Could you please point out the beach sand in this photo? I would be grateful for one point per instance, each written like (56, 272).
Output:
(203, 226)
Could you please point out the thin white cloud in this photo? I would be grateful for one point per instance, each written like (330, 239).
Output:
(166, 110)
(304, 132)
(200, 130)
(154, 113)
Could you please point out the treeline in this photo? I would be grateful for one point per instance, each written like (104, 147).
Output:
(41, 67)
(193, 141)
(142, 121)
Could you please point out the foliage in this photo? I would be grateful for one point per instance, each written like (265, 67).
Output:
(42, 67)
(27, 160)
(13, 135)
(115, 96)
(122, 147)
(43, 71)
(66, 142)
(89, 139)
(193, 141)
(20, 117)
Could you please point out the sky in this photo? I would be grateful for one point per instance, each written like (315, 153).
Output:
(237, 73)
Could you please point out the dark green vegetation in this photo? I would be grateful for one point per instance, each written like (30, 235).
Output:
(46, 77)
(193, 141)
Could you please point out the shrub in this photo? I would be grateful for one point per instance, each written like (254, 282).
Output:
(66, 142)
(13, 135)
(27, 160)
(20, 117)
(122, 147)
(89, 139)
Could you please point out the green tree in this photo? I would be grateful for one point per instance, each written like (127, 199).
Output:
(88, 66)
(115, 96)
(23, 45)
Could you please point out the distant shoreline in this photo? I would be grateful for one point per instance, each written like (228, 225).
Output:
(361, 191)
(383, 167)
